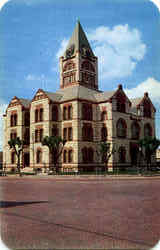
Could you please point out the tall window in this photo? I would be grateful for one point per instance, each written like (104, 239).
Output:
(84, 155)
(69, 66)
(121, 128)
(104, 133)
(13, 121)
(54, 113)
(39, 115)
(27, 118)
(90, 155)
(64, 113)
(87, 155)
(65, 133)
(87, 111)
(54, 131)
(65, 156)
(147, 130)
(88, 66)
(67, 112)
(135, 130)
(39, 135)
(27, 136)
(87, 132)
(122, 155)
(70, 156)
(39, 156)
(36, 115)
(36, 135)
(70, 112)
(70, 134)
(13, 135)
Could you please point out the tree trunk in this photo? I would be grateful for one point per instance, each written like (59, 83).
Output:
(18, 165)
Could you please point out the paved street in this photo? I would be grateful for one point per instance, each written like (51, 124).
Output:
(48, 213)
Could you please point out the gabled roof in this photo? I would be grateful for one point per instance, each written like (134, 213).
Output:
(19, 101)
(104, 96)
(79, 40)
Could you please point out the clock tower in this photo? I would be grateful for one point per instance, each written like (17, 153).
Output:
(78, 65)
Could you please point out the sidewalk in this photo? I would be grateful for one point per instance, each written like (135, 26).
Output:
(84, 177)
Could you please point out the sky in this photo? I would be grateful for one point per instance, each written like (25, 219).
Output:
(124, 35)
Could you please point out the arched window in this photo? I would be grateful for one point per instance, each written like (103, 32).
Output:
(104, 133)
(103, 116)
(135, 130)
(54, 113)
(70, 156)
(90, 155)
(65, 156)
(122, 155)
(121, 128)
(13, 157)
(147, 130)
(39, 156)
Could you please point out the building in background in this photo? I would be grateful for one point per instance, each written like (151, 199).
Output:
(81, 114)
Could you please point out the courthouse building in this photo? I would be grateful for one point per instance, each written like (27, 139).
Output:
(80, 113)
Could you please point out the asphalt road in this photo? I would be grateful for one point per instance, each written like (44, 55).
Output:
(48, 213)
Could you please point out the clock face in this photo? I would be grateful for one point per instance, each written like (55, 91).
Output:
(70, 51)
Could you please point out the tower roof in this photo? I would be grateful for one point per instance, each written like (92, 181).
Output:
(78, 41)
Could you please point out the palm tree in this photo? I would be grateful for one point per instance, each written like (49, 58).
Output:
(17, 145)
(150, 146)
(55, 145)
(105, 152)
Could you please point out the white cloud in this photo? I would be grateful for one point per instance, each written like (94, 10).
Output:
(157, 3)
(3, 107)
(118, 49)
(151, 86)
(2, 3)
(62, 48)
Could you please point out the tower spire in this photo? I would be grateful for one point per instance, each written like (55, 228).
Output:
(78, 41)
